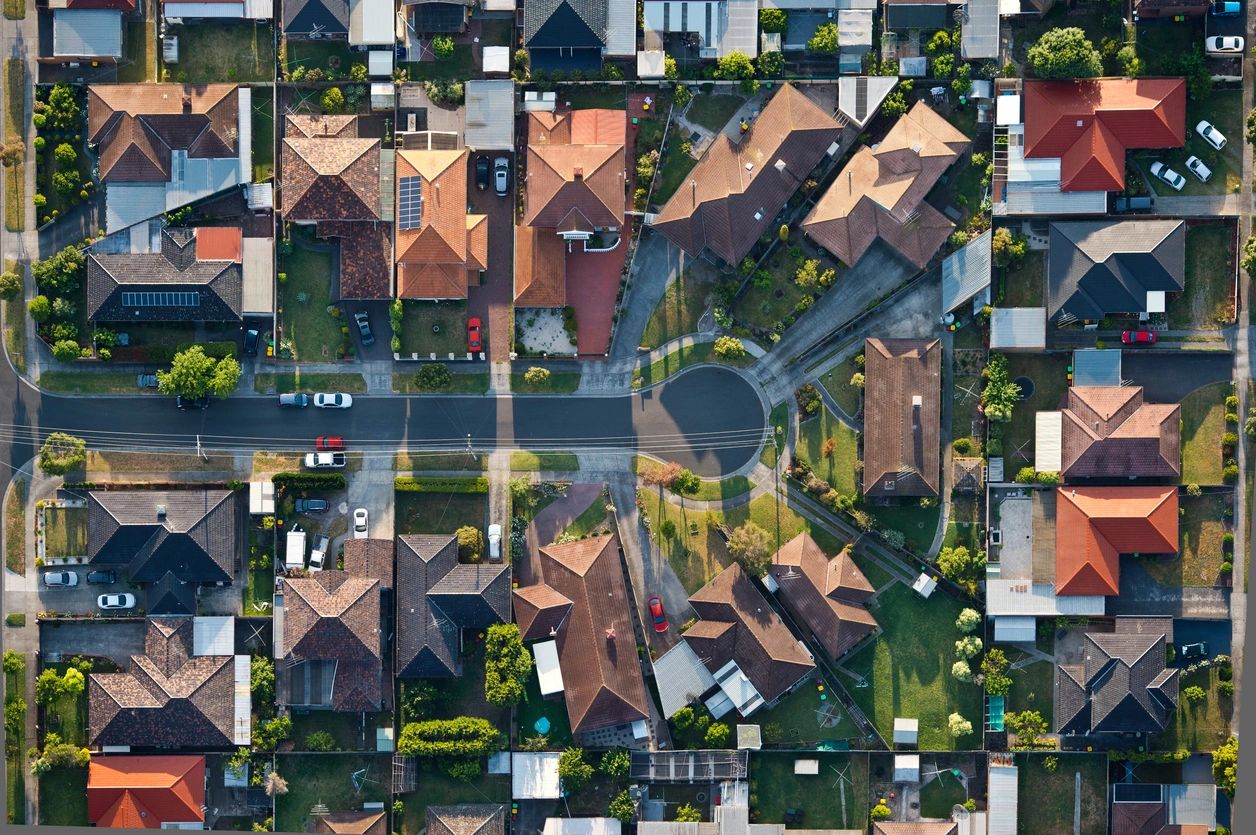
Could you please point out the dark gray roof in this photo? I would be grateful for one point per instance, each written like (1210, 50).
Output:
(916, 14)
(1123, 686)
(1099, 267)
(326, 17)
(197, 537)
(564, 23)
(170, 596)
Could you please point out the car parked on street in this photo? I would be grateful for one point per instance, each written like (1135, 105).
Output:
(125, 600)
(101, 577)
(338, 400)
(495, 543)
(1211, 135)
(474, 342)
(481, 172)
(322, 460)
(56, 579)
(311, 506)
(1223, 45)
(501, 176)
(185, 403)
(1196, 166)
(329, 443)
(1138, 338)
(318, 552)
(657, 617)
(359, 523)
(295, 400)
(146, 381)
(363, 322)
(1167, 175)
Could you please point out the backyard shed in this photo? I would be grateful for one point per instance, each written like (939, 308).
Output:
(490, 115)
(497, 60)
(1018, 328)
(806, 765)
(582, 826)
(966, 273)
(749, 738)
(379, 63)
(1015, 629)
(924, 585)
(1003, 800)
(86, 33)
(1048, 442)
(534, 776)
(906, 768)
(650, 63)
(549, 674)
(1096, 367)
(906, 731)
(261, 497)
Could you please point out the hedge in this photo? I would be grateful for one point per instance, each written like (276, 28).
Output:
(410, 484)
(310, 481)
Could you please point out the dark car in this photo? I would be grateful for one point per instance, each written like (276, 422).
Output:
(475, 343)
(312, 505)
(250, 343)
(329, 443)
(186, 403)
(1134, 204)
(294, 400)
(481, 172)
(1138, 338)
(146, 381)
(1188, 651)
(657, 617)
(101, 578)
(364, 327)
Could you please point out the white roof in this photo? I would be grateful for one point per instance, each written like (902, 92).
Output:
(1155, 301)
(193, 11)
(1015, 629)
(924, 585)
(547, 669)
(966, 273)
(739, 689)
(681, 678)
(1002, 800)
(294, 555)
(741, 33)
(534, 776)
(906, 731)
(854, 27)
(621, 28)
(1048, 442)
(84, 33)
(261, 497)
(242, 701)
(258, 293)
(811, 5)
(859, 97)
(497, 59)
(1192, 804)
(906, 768)
(490, 115)
(979, 31)
(1019, 597)
(379, 63)
(1018, 327)
(499, 6)
(1007, 109)
(749, 737)
(213, 636)
(259, 9)
(372, 22)
(806, 765)
(650, 63)
(582, 826)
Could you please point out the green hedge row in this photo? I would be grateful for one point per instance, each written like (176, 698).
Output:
(310, 481)
(410, 484)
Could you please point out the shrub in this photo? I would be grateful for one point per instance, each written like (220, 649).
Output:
(1194, 694)
(536, 376)
(1193, 490)
(958, 725)
(464, 736)
(40, 308)
(1225, 688)
(433, 377)
(961, 671)
(880, 812)
(1229, 475)
(964, 446)
(622, 807)
(968, 620)
(443, 46)
(320, 741)
(62, 452)
(573, 770)
(773, 20)
(65, 155)
(716, 735)
(824, 41)
(507, 665)
(470, 543)
(615, 762)
(309, 481)
(729, 348)
(333, 100)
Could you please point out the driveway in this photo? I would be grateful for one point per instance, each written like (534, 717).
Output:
(550, 522)
(1168, 376)
(1141, 595)
(1215, 633)
(592, 287)
(492, 300)
(115, 640)
(81, 599)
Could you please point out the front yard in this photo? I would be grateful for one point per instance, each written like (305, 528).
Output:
(328, 780)
(1224, 108)
(310, 332)
(678, 312)
(836, 798)
(1203, 425)
(65, 531)
(1207, 302)
(223, 50)
(917, 523)
(438, 328)
(440, 511)
(1053, 796)
(837, 467)
(1047, 373)
(1200, 529)
(69, 787)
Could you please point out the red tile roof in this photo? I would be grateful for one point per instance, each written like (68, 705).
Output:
(540, 268)
(439, 258)
(1089, 125)
(145, 792)
(1095, 525)
(218, 243)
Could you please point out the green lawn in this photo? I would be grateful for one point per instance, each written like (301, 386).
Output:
(940, 794)
(838, 469)
(826, 801)
(1052, 796)
(296, 380)
(674, 166)
(327, 779)
(415, 459)
(457, 67)
(438, 328)
(533, 707)
(224, 50)
(593, 96)
(141, 52)
(15, 9)
(464, 695)
(1200, 529)
(1022, 285)
(15, 331)
(918, 524)
(778, 419)
(537, 461)
(475, 382)
(14, 120)
(767, 307)
(439, 512)
(69, 788)
(682, 357)
(1033, 688)
(309, 330)
(15, 771)
(105, 382)
(1203, 425)
(1206, 303)
(435, 788)
(590, 521)
(15, 527)
(329, 56)
(796, 720)
(713, 111)
(559, 382)
(1047, 372)
(677, 313)
(908, 669)
(65, 531)
(1202, 726)
(344, 728)
(725, 488)
(964, 526)
(837, 382)
(263, 134)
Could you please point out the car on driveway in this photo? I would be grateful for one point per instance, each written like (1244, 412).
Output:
(146, 381)
(323, 460)
(126, 600)
(501, 176)
(1211, 135)
(250, 343)
(318, 552)
(657, 617)
(1223, 45)
(1189, 651)
(495, 543)
(474, 340)
(1226, 8)
(327, 443)
(481, 172)
(1167, 175)
(338, 400)
(311, 506)
(359, 523)
(1138, 338)
(295, 400)
(186, 403)
(1196, 166)
(56, 579)
(363, 322)
(101, 577)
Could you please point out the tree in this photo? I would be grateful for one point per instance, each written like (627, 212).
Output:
(10, 285)
(773, 20)
(683, 718)
(1028, 725)
(968, 646)
(470, 543)
(622, 807)
(686, 483)
(958, 725)
(1008, 248)
(11, 153)
(333, 100)
(670, 71)
(960, 671)
(615, 762)
(66, 182)
(445, 92)
(751, 546)
(536, 376)
(320, 741)
(729, 348)
(194, 374)
(734, 66)
(824, 41)
(716, 735)
(895, 104)
(59, 274)
(881, 812)
(968, 620)
(959, 565)
(1065, 53)
(1225, 763)
(1194, 694)
(573, 770)
(65, 155)
(1000, 393)
(434, 377)
(262, 684)
(507, 664)
(225, 378)
(14, 661)
(443, 46)
(463, 737)
(661, 475)
(688, 813)
(857, 380)
(39, 308)
(939, 43)
(65, 350)
(828, 447)
(268, 733)
(994, 668)
(62, 452)
(770, 64)
(47, 687)
(418, 699)
(73, 683)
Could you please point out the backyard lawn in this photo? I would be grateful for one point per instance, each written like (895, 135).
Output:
(439, 512)
(1202, 726)
(438, 328)
(1047, 374)
(296, 380)
(141, 52)
(1053, 795)
(345, 728)
(1033, 688)
(713, 111)
(939, 795)
(680, 308)
(964, 526)
(435, 788)
(1199, 558)
(803, 719)
(328, 780)
(908, 669)
(69, 787)
(674, 166)
(827, 801)
(838, 468)
(65, 531)
(534, 707)
(304, 296)
(334, 56)
(918, 524)
(263, 134)
(224, 50)
(1022, 285)
(1203, 425)
(1206, 302)
(837, 383)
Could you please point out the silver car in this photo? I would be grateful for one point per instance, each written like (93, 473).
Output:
(501, 176)
(1196, 166)
(1211, 135)
(495, 543)
(324, 400)
(126, 600)
(1167, 175)
(55, 579)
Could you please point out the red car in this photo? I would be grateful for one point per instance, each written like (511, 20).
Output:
(474, 344)
(1138, 338)
(329, 443)
(656, 613)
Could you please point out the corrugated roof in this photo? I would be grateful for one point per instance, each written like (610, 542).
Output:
(87, 33)
(979, 30)
(489, 120)
(1019, 597)
(258, 262)
(1018, 328)
(681, 678)
(1048, 442)
(1096, 367)
(966, 273)
(371, 22)
(1002, 794)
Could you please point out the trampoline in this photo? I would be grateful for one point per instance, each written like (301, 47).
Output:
(1026, 387)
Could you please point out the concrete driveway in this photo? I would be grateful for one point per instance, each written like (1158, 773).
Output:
(1141, 595)
(116, 640)
(1168, 376)
(492, 301)
(80, 599)
(1215, 633)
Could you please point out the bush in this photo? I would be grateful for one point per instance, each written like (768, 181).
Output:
(1194, 694)
(573, 770)
(65, 155)
(40, 308)
(333, 100)
(1225, 688)
(717, 735)
(1230, 474)
(410, 484)
(433, 377)
(968, 620)
(309, 481)
(536, 376)
(1193, 490)
(470, 543)
(773, 20)
(963, 446)
(66, 350)
(320, 741)
(729, 348)
(62, 452)
(443, 46)
(462, 737)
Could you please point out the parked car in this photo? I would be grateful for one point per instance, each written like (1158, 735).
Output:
(657, 617)
(295, 400)
(495, 543)
(1167, 175)
(146, 381)
(1226, 8)
(474, 342)
(318, 552)
(250, 342)
(364, 327)
(311, 506)
(1133, 204)
(1223, 45)
(1138, 338)
(481, 172)
(326, 443)
(101, 577)
(54, 579)
(325, 400)
(359, 523)
(186, 403)
(1187, 651)
(1196, 166)
(126, 600)
(1211, 135)
(321, 460)
(501, 176)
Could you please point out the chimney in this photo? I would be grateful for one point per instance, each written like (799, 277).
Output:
(610, 633)
(578, 174)
(187, 104)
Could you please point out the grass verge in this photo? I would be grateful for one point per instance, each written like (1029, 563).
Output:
(476, 382)
(104, 382)
(15, 527)
(537, 461)
(558, 382)
(1203, 424)
(309, 383)
(682, 357)
(14, 130)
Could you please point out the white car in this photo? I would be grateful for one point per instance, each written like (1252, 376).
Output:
(323, 400)
(1223, 45)
(322, 460)
(1211, 135)
(495, 543)
(318, 553)
(1167, 175)
(359, 523)
(116, 601)
(1196, 166)
(61, 578)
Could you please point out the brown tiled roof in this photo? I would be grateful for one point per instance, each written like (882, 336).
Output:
(538, 610)
(597, 650)
(914, 828)
(738, 188)
(168, 698)
(967, 474)
(332, 175)
(828, 595)
(372, 558)
(365, 822)
(540, 268)
(766, 652)
(315, 126)
(1109, 432)
(880, 193)
(466, 819)
(439, 258)
(576, 170)
(901, 453)
(365, 257)
(1138, 818)
(191, 533)
(136, 126)
(1095, 525)
(334, 616)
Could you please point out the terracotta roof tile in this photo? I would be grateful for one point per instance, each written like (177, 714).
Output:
(365, 822)
(1095, 525)
(334, 616)
(540, 268)
(539, 610)
(126, 792)
(466, 819)
(330, 177)
(218, 243)
(588, 179)
(901, 447)
(365, 257)
(1109, 432)
(439, 258)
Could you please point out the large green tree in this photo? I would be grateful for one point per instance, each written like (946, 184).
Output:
(824, 41)
(751, 546)
(195, 374)
(59, 274)
(62, 452)
(573, 770)
(1225, 764)
(1065, 53)
(507, 664)
(734, 66)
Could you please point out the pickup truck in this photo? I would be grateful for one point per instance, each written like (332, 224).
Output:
(320, 460)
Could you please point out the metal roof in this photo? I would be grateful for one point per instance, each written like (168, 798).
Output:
(1192, 804)
(967, 272)
(681, 677)
(95, 33)
(741, 32)
(1096, 367)
(1048, 442)
(859, 97)
(1018, 327)
(650, 63)
(621, 28)
(371, 22)
(979, 30)
(1016, 597)
(258, 261)
(490, 115)
(1015, 629)
(1002, 800)
(854, 27)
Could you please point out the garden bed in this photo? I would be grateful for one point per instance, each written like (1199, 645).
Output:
(223, 50)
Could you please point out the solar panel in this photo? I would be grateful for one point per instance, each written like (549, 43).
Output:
(410, 205)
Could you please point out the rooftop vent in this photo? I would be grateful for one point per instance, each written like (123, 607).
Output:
(750, 166)
(1081, 123)
(187, 104)
(161, 511)
(779, 165)
(610, 633)
(578, 173)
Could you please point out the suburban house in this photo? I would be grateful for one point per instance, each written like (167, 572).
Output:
(466, 819)
(330, 647)
(196, 277)
(363, 822)
(441, 247)
(1110, 433)
(570, 35)
(582, 604)
(165, 146)
(902, 412)
(753, 656)
(1123, 686)
(437, 599)
(157, 792)
(1100, 268)
(193, 534)
(880, 193)
(720, 26)
(183, 692)
(574, 193)
(1149, 809)
(334, 180)
(915, 827)
(1095, 525)
(827, 594)
(316, 19)
(740, 186)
